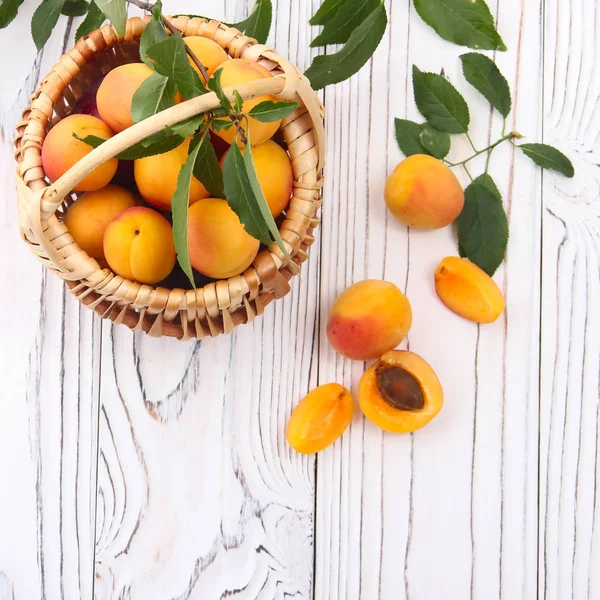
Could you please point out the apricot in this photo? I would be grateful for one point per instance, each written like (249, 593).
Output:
(156, 177)
(468, 290)
(320, 418)
(61, 150)
(423, 192)
(208, 52)
(240, 70)
(138, 245)
(219, 245)
(275, 175)
(116, 93)
(400, 392)
(368, 319)
(88, 218)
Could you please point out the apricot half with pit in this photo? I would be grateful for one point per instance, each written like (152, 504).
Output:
(400, 392)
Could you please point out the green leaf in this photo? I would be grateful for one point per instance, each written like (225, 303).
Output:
(214, 84)
(408, 137)
(44, 19)
(269, 111)
(116, 13)
(189, 126)
(486, 181)
(263, 205)
(239, 102)
(440, 102)
(155, 94)
(326, 12)
(240, 195)
(360, 46)
(437, 143)
(207, 169)
(549, 157)
(94, 19)
(258, 23)
(180, 208)
(463, 22)
(170, 59)
(159, 143)
(482, 228)
(219, 124)
(8, 11)
(74, 8)
(483, 74)
(152, 34)
(346, 19)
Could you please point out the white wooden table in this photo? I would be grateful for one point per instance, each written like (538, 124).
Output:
(144, 469)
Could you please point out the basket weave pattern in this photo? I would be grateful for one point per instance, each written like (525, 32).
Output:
(217, 307)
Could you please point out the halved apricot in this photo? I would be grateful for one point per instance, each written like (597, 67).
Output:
(320, 418)
(400, 392)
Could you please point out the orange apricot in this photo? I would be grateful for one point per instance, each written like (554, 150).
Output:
(239, 70)
(423, 192)
(208, 52)
(320, 418)
(61, 150)
(220, 246)
(368, 319)
(468, 290)
(400, 392)
(138, 245)
(88, 217)
(116, 92)
(156, 177)
(275, 175)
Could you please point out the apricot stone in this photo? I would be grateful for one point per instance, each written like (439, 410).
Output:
(219, 245)
(400, 392)
(61, 150)
(138, 245)
(156, 177)
(210, 54)
(320, 418)
(88, 218)
(116, 92)
(368, 319)
(239, 70)
(423, 192)
(275, 175)
(468, 290)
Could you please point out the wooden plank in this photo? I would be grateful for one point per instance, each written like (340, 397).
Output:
(451, 511)
(49, 366)
(199, 495)
(569, 447)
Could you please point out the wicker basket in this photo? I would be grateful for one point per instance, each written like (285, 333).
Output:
(217, 307)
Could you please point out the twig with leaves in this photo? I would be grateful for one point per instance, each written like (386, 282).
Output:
(482, 226)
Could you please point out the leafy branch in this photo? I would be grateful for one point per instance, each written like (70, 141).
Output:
(482, 226)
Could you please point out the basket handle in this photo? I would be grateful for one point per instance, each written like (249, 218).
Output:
(54, 194)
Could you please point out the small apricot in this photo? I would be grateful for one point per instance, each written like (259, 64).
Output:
(275, 175)
(138, 245)
(400, 392)
(240, 70)
(208, 52)
(88, 217)
(368, 319)
(61, 150)
(320, 418)
(220, 246)
(156, 177)
(116, 93)
(423, 192)
(468, 290)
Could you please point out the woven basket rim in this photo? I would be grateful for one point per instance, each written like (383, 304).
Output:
(220, 300)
